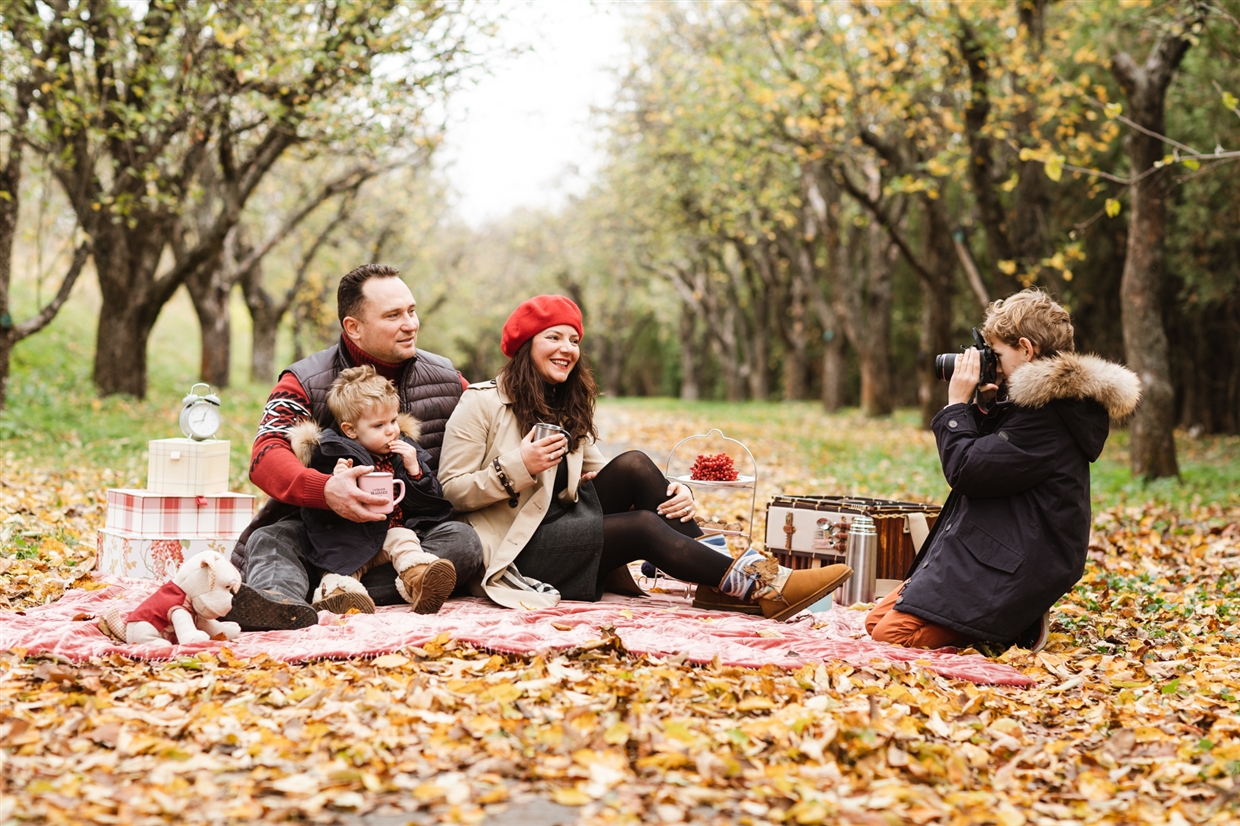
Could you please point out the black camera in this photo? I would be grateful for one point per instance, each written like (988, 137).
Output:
(945, 364)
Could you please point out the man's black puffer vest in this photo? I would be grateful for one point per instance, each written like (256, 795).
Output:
(429, 388)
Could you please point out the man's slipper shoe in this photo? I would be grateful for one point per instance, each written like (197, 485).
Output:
(256, 610)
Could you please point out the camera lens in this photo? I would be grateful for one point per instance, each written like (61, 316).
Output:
(944, 366)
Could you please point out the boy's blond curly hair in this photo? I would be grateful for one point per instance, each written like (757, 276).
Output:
(1030, 314)
(358, 390)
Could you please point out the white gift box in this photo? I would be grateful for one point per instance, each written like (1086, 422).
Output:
(187, 468)
(144, 513)
(151, 557)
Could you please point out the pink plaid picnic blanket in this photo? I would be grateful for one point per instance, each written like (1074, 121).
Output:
(659, 626)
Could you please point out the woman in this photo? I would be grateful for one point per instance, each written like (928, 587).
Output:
(555, 520)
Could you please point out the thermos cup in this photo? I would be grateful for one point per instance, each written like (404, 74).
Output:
(862, 557)
(544, 429)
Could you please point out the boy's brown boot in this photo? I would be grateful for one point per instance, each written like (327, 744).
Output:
(426, 586)
(782, 593)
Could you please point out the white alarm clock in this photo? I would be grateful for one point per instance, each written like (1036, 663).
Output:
(200, 415)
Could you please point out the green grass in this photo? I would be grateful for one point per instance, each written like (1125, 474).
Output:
(54, 416)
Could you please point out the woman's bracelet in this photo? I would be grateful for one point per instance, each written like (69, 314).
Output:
(503, 480)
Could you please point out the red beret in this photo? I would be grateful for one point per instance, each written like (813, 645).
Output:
(535, 315)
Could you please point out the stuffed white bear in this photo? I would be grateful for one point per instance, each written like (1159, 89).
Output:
(200, 592)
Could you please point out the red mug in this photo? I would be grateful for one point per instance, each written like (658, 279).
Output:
(383, 484)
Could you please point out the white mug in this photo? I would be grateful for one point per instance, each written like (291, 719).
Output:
(382, 483)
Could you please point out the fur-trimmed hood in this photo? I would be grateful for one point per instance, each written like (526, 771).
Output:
(1075, 376)
(306, 435)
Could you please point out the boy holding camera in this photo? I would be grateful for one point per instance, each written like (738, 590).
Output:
(1012, 537)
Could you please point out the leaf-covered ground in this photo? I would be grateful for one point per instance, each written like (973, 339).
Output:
(1133, 720)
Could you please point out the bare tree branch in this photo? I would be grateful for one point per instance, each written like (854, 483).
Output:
(44, 317)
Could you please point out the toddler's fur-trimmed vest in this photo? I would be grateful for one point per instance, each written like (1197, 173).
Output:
(429, 389)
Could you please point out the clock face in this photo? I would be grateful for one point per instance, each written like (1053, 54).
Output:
(200, 420)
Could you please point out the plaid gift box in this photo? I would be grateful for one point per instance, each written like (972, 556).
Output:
(150, 557)
(187, 468)
(145, 513)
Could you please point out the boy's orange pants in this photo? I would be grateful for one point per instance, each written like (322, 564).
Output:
(886, 624)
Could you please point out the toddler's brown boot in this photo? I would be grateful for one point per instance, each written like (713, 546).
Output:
(426, 586)
(340, 594)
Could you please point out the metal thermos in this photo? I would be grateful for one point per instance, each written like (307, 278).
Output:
(544, 429)
(862, 557)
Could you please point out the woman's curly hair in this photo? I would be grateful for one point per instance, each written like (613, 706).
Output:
(570, 404)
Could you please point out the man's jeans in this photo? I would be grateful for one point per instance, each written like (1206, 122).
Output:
(276, 563)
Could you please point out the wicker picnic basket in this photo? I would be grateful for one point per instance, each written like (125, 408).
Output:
(811, 531)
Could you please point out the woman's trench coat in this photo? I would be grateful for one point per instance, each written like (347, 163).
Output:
(481, 428)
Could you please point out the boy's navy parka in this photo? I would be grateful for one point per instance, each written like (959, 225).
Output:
(341, 546)
(1012, 537)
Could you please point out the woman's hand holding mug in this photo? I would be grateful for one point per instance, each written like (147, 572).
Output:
(539, 452)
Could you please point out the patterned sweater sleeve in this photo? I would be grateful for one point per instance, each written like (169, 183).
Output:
(274, 468)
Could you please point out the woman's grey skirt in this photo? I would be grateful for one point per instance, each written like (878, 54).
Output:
(565, 550)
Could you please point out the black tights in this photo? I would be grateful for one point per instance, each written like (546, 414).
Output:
(630, 488)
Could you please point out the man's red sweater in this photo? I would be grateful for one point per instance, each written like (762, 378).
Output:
(274, 468)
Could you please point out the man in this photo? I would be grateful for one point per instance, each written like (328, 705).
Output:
(379, 326)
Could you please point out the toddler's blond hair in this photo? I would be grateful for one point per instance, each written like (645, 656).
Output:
(1030, 314)
(358, 390)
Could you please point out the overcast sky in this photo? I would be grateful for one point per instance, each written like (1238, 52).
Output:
(523, 135)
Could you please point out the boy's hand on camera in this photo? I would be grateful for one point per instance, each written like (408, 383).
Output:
(964, 379)
(341, 466)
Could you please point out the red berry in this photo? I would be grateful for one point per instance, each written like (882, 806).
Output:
(713, 467)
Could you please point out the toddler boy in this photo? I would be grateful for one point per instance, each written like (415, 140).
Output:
(371, 430)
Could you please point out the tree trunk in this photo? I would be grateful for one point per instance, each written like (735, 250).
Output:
(753, 337)
(795, 344)
(937, 292)
(263, 351)
(9, 208)
(120, 349)
(612, 367)
(834, 372)
(265, 319)
(209, 289)
(935, 267)
(1030, 232)
(733, 368)
(132, 299)
(874, 349)
(6, 355)
(689, 390)
(1143, 284)
(822, 195)
(1206, 364)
